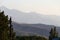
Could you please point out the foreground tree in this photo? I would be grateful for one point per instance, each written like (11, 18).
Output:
(53, 33)
(5, 28)
(12, 33)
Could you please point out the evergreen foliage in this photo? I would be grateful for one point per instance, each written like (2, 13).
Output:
(12, 33)
(53, 33)
(5, 28)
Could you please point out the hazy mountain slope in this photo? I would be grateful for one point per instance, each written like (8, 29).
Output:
(33, 29)
(29, 29)
(32, 22)
(31, 17)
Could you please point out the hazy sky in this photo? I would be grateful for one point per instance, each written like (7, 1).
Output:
(50, 7)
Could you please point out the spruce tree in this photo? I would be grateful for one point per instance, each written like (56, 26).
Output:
(12, 34)
(6, 30)
(3, 26)
(53, 33)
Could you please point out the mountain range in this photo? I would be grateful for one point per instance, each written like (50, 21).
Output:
(34, 29)
(31, 17)
(32, 23)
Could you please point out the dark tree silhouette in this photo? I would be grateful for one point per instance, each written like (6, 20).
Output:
(53, 33)
(6, 31)
(12, 34)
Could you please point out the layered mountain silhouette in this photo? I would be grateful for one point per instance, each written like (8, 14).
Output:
(32, 23)
(32, 17)
(33, 29)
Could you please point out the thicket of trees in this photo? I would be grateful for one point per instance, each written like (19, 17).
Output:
(53, 33)
(6, 30)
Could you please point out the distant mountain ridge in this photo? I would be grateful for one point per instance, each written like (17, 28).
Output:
(33, 29)
(32, 17)
(32, 23)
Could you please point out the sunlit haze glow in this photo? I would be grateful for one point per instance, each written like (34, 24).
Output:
(47, 7)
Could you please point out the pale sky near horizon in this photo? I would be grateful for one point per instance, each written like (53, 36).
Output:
(48, 7)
